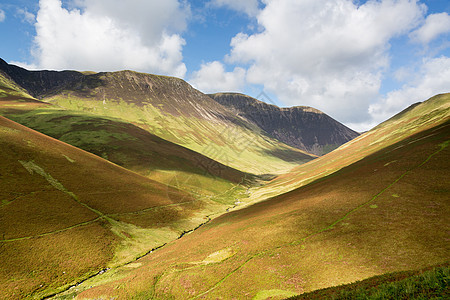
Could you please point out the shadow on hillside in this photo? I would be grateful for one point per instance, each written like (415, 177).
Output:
(290, 155)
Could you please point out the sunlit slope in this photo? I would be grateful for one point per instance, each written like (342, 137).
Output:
(387, 212)
(66, 214)
(171, 109)
(417, 118)
(127, 145)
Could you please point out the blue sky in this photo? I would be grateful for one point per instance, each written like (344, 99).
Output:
(358, 61)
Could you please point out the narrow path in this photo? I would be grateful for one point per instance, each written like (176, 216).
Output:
(8, 202)
(103, 216)
(150, 209)
(217, 284)
(229, 274)
(32, 168)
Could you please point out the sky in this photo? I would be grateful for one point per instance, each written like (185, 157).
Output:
(360, 62)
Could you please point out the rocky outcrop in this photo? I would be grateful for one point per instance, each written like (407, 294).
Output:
(302, 127)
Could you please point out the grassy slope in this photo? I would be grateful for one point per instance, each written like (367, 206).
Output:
(419, 117)
(387, 212)
(173, 110)
(66, 214)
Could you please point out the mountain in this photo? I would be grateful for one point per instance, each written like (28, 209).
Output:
(180, 197)
(301, 127)
(166, 107)
(385, 211)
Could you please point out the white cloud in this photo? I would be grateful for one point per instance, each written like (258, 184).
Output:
(435, 25)
(143, 16)
(327, 54)
(24, 65)
(433, 77)
(26, 15)
(102, 35)
(212, 78)
(2, 16)
(250, 7)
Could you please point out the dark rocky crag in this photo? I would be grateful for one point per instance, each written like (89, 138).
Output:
(38, 83)
(302, 127)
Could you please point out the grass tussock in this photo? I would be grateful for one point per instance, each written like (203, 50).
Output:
(425, 284)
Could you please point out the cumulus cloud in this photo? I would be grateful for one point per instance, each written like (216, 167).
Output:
(435, 25)
(327, 54)
(250, 7)
(433, 77)
(102, 35)
(2, 16)
(212, 77)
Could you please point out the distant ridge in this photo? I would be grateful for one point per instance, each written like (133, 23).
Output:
(302, 127)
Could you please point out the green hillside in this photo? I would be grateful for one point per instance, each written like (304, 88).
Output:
(387, 212)
(211, 188)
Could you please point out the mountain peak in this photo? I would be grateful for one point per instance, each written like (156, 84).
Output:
(306, 109)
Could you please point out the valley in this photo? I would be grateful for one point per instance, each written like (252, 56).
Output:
(136, 186)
